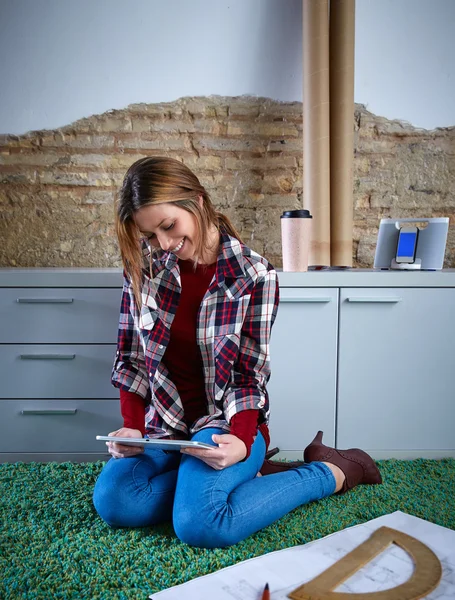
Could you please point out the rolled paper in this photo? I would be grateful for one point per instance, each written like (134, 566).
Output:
(342, 33)
(316, 115)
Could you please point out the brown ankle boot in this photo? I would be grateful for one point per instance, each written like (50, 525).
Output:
(357, 466)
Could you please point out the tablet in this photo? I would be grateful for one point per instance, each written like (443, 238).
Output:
(156, 443)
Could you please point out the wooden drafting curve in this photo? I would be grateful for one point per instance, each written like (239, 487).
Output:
(425, 578)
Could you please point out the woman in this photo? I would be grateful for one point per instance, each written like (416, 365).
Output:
(193, 363)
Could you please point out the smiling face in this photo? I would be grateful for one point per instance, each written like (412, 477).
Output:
(169, 227)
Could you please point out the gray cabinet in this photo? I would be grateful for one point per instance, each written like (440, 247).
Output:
(303, 352)
(389, 387)
(366, 356)
(58, 332)
(396, 380)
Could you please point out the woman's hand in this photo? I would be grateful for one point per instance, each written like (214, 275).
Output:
(230, 450)
(121, 451)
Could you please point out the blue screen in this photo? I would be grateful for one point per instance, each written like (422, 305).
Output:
(406, 244)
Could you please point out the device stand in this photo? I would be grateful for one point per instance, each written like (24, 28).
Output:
(417, 264)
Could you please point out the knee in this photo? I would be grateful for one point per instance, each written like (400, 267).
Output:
(111, 496)
(126, 496)
(105, 501)
(196, 530)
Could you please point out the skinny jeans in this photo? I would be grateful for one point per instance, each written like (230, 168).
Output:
(208, 508)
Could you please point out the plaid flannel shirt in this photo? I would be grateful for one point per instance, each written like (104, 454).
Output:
(233, 332)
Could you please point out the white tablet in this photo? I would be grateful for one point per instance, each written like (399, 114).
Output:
(157, 443)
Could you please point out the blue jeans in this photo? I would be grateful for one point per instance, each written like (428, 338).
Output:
(208, 508)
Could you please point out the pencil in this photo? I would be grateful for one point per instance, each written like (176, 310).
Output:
(266, 592)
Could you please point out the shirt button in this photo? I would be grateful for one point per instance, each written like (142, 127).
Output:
(160, 347)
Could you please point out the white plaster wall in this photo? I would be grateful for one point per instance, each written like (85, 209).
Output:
(405, 60)
(63, 59)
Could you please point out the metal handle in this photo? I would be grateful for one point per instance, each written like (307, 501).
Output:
(50, 411)
(45, 300)
(307, 299)
(47, 356)
(386, 299)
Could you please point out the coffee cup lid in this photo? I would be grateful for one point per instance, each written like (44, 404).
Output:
(296, 214)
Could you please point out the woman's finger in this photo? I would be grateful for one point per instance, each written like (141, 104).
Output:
(216, 461)
(121, 451)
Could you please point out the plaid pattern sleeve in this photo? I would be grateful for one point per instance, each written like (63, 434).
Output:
(251, 370)
(129, 372)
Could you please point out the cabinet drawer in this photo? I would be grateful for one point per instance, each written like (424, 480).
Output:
(59, 315)
(57, 371)
(57, 425)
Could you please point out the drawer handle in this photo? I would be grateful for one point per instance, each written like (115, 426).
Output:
(50, 411)
(45, 300)
(388, 299)
(47, 356)
(309, 299)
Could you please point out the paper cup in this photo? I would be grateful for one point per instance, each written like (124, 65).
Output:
(295, 239)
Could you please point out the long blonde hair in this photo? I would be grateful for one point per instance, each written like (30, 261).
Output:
(155, 180)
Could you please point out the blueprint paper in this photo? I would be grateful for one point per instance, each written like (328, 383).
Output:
(285, 570)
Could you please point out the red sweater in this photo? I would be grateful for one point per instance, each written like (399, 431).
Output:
(184, 363)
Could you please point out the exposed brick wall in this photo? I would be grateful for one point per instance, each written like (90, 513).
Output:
(400, 171)
(57, 188)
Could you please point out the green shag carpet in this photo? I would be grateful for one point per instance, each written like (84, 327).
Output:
(54, 545)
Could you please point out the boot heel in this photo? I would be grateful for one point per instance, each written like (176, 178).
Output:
(316, 450)
(317, 441)
(271, 453)
(318, 437)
